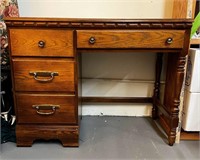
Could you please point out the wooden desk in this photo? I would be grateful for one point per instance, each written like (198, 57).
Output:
(45, 55)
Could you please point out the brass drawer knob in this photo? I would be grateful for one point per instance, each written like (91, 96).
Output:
(169, 40)
(92, 40)
(41, 44)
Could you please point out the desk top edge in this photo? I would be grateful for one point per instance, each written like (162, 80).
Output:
(98, 23)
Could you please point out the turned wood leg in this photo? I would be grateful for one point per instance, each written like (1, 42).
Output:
(157, 84)
(174, 81)
(172, 137)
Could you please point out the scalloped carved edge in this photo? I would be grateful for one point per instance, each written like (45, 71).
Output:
(100, 24)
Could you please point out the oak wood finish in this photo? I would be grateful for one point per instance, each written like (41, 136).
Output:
(65, 114)
(64, 81)
(195, 41)
(57, 43)
(62, 54)
(76, 23)
(190, 135)
(27, 134)
(129, 39)
(180, 9)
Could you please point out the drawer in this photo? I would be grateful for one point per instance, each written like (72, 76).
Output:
(130, 39)
(46, 108)
(37, 74)
(41, 42)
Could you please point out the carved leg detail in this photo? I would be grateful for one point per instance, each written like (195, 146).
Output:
(172, 137)
(173, 86)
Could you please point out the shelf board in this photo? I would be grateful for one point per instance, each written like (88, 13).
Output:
(195, 41)
(190, 135)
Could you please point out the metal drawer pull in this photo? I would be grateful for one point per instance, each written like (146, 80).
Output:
(41, 107)
(43, 74)
(92, 40)
(41, 44)
(169, 40)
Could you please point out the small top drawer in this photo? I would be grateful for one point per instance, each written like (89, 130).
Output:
(130, 39)
(41, 42)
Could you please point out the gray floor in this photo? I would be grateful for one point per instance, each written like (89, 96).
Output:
(109, 138)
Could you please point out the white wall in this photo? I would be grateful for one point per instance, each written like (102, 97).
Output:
(109, 74)
(97, 8)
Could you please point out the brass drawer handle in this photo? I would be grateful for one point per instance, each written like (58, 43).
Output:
(41, 44)
(41, 107)
(169, 40)
(92, 40)
(43, 74)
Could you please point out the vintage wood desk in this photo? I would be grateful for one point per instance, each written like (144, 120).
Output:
(45, 58)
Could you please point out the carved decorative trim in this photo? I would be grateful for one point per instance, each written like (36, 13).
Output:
(99, 23)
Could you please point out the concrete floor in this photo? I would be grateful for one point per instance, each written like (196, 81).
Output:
(109, 138)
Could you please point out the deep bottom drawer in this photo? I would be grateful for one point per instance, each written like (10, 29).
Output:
(46, 108)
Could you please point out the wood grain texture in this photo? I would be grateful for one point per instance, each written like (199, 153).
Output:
(58, 42)
(27, 134)
(129, 39)
(180, 9)
(90, 23)
(65, 114)
(190, 135)
(174, 81)
(60, 55)
(194, 7)
(195, 41)
(23, 81)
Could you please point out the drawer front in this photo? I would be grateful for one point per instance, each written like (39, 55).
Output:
(46, 108)
(41, 42)
(130, 39)
(43, 74)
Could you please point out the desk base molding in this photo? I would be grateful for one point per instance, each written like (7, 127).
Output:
(67, 135)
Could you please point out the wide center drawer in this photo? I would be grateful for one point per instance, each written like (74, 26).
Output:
(35, 74)
(41, 42)
(130, 39)
(46, 108)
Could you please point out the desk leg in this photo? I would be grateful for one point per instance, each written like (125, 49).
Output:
(157, 84)
(174, 81)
